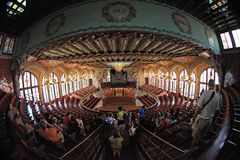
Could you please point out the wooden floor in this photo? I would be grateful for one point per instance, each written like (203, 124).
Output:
(111, 104)
(114, 108)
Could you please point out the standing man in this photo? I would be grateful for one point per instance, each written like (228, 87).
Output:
(207, 105)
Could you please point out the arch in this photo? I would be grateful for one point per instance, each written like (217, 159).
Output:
(28, 86)
(205, 76)
(192, 86)
(173, 82)
(176, 66)
(183, 83)
(44, 82)
(53, 86)
(57, 68)
(152, 76)
(37, 66)
(64, 84)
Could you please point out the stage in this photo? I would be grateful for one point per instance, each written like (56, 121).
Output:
(111, 104)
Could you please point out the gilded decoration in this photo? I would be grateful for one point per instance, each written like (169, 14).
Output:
(181, 22)
(118, 12)
(55, 24)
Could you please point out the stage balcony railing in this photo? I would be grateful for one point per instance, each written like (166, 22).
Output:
(155, 148)
(91, 148)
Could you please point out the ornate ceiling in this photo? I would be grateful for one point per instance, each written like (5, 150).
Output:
(98, 48)
(201, 9)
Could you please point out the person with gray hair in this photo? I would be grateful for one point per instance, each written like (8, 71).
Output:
(207, 105)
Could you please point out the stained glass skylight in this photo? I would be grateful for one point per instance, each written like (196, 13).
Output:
(14, 7)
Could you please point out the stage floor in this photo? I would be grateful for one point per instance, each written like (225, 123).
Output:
(114, 108)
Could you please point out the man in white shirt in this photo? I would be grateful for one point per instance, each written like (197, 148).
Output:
(208, 104)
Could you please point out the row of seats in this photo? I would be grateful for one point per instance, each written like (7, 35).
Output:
(147, 100)
(175, 133)
(152, 89)
(58, 108)
(91, 102)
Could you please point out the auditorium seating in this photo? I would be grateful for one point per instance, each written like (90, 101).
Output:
(152, 89)
(91, 102)
(175, 133)
(147, 100)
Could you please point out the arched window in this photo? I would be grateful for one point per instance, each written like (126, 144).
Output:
(70, 82)
(161, 80)
(75, 79)
(152, 77)
(184, 86)
(85, 80)
(166, 81)
(53, 87)
(28, 86)
(64, 85)
(192, 85)
(107, 78)
(173, 83)
(206, 75)
(45, 90)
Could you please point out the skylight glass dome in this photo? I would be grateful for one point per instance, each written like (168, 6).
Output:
(15, 7)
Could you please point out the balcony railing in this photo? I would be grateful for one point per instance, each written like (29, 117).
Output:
(155, 148)
(89, 149)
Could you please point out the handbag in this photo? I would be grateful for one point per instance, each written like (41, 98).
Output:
(198, 116)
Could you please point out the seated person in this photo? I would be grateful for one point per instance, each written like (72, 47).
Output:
(81, 126)
(51, 133)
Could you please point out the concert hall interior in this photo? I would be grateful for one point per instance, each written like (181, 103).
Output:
(67, 67)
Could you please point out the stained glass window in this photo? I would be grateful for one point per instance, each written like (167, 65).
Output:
(28, 86)
(53, 87)
(76, 81)
(192, 86)
(8, 45)
(226, 40)
(161, 80)
(152, 77)
(45, 90)
(70, 84)
(184, 86)
(166, 81)
(173, 83)
(236, 36)
(64, 85)
(206, 75)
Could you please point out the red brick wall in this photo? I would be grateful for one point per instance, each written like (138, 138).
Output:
(6, 81)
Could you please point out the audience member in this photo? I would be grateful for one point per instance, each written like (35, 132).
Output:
(116, 143)
(110, 119)
(207, 105)
(120, 118)
(142, 114)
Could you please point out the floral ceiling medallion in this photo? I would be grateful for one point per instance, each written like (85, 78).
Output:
(209, 36)
(118, 12)
(181, 22)
(55, 24)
